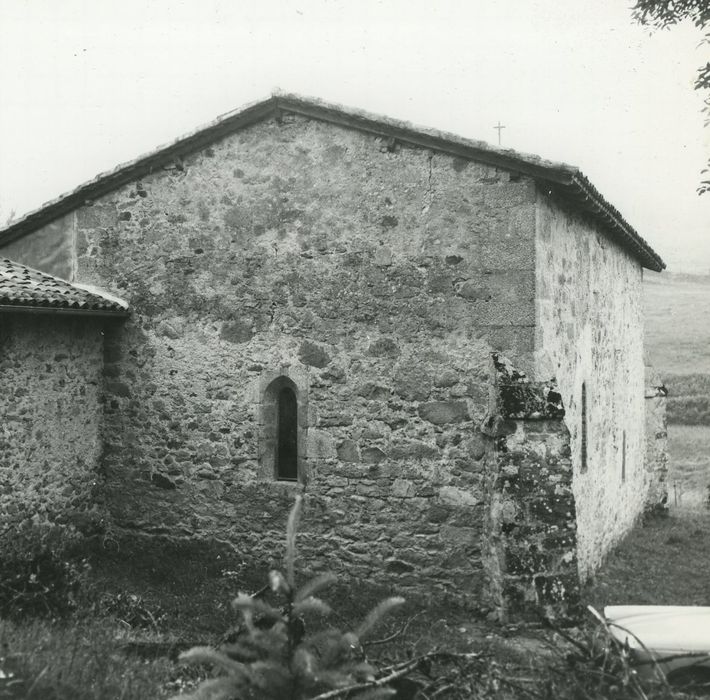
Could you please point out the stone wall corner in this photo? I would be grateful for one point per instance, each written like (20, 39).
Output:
(532, 536)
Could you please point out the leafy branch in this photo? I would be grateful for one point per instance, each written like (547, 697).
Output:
(663, 14)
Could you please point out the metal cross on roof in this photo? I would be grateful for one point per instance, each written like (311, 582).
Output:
(500, 127)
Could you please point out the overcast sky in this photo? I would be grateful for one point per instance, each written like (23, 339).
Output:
(87, 84)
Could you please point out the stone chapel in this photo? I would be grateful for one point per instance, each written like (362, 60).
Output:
(438, 341)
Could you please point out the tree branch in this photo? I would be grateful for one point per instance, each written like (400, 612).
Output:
(393, 673)
(379, 683)
(394, 635)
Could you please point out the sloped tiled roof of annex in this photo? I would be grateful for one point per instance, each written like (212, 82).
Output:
(566, 180)
(25, 289)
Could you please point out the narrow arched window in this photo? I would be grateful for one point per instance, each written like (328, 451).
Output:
(287, 435)
(583, 437)
(623, 456)
(283, 430)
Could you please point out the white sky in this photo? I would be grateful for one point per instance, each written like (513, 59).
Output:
(87, 84)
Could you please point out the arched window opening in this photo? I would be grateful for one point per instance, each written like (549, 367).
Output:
(583, 438)
(287, 436)
(283, 429)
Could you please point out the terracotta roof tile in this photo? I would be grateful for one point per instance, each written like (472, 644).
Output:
(23, 287)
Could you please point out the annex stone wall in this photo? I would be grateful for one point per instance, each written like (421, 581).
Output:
(378, 278)
(590, 332)
(50, 440)
(656, 455)
(531, 539)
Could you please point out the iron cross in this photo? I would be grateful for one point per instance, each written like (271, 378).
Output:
(500, 127)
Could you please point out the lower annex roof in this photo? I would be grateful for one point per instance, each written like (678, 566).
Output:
(24, 289)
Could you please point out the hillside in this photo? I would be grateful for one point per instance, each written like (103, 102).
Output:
(677, 309)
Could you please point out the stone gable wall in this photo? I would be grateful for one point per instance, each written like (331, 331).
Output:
(378, 278)
(590, 330)
(50, 441)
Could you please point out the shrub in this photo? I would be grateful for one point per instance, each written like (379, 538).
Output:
(37, 575)
(275, 657)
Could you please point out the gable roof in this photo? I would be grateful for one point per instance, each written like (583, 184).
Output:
(565, 180)
(25, 289)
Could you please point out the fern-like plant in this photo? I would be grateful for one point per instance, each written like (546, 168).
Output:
(275, 659)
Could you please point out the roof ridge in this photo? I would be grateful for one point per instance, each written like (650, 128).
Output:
(290, 99)
(570, 179)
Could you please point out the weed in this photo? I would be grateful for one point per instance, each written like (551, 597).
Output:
(37, 577)
(131, 610)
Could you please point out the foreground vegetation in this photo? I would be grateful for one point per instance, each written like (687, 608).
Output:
(77, 659)
(125, 647)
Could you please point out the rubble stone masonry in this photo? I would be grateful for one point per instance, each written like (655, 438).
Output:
(531, 537)
(50, 441)
(656, 456)
(371, 281)
(377, 278)
(590, 339)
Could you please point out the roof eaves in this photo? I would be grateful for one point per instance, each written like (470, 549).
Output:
(594, 202)
(26, 289)
(568, 177)
(38, 309)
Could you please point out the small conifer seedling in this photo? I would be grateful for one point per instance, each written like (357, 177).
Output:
(275, 658)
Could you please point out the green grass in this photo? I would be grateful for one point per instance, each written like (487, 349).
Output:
(677, 320)
(677, 324)
(689, 466)
(94, 656)
(664, 561)
(41, 660)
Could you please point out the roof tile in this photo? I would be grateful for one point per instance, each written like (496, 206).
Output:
(24, 287)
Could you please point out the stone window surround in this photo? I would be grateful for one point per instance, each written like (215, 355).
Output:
(270, 384)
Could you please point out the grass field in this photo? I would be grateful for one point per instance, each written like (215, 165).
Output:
(665, 561)
(677, 325)
(677, 316)
(77, 660)
(689, 466)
